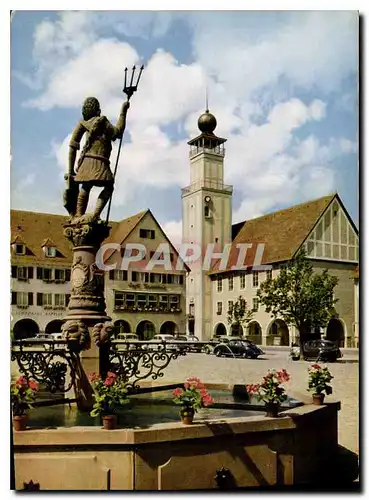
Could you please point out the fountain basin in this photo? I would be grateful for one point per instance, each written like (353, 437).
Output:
(254, 450)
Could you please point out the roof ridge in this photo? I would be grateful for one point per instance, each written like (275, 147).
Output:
(288, 208)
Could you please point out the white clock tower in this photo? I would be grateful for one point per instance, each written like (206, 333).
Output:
(207, 219)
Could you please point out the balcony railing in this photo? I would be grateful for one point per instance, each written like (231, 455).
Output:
(218, 150)
(207, 184)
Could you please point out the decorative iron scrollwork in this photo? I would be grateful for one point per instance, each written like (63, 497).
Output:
(49, 365)
(134, 362)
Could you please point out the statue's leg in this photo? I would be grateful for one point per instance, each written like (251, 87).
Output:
(82, 200)
(103, 200)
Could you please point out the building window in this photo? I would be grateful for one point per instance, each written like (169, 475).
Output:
(269, 274)
(153, 301)
(118, 300)
(242, 281)
(44, 273)
(59, 275)
(50, 251)
(141, 300)
(255, 279)
(47, 299)
(20, 249)
(59, 300)
(219, 307)
(120, 275)
(230, 283)
(207, 211)
(174, 301)
(22, 273)
(155, 278)
(130, 300)
(220, 284)
(147, 233)
(255, 304)
(230, 306)
(22, 299)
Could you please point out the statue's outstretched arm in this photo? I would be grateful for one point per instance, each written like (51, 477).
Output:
(118, 130)
(74, 145)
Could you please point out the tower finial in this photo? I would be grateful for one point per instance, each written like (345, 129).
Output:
(206, 100)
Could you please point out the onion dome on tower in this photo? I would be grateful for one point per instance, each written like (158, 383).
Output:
(207, 141)
(207, 122)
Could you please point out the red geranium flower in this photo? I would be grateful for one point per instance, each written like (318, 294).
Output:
(177, 392)
(21, 382)
(32, 384)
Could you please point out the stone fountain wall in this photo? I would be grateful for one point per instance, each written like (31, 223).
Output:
(257, 451)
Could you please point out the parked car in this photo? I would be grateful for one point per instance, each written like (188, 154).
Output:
(218, 339)
(191, 341)
(224, 338)
(321, 350)
(166, 339)
(42, 336)
(128, 337)
(241, 348)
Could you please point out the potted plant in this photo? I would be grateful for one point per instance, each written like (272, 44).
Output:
(319, 379)
(191, 399)
(270, 391)
(23, 394)
(109, 395)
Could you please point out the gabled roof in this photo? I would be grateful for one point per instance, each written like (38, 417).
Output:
(121, 231)
(126, 226)
(36, 230)
(33, 229)
(283, 232)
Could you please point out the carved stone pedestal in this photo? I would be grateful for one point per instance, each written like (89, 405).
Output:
(87, 302)
(86, 313)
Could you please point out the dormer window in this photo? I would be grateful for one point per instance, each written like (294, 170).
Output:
(50, 251)
(20, 249)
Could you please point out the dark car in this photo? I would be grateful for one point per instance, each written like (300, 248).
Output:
(241, 348)
(321, 350)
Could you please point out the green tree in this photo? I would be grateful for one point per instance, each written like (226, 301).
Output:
(300, 296)
(239, 315)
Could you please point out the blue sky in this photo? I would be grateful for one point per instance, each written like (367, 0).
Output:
(281, 84)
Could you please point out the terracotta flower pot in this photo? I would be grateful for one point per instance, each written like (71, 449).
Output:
(187, 415)
(109, 422)
(20, 422)
(318, 399)
(272, 409)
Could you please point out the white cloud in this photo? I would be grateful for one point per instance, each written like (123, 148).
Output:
(173, 229)
(253, 72)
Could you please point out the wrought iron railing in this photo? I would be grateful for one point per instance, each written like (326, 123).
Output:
(50, 362)
(56, 367)
(135, 361)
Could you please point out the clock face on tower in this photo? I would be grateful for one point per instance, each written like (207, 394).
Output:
(207, 199)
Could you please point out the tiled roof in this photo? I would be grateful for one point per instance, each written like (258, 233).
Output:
(282, 232)
(34, 230)
(122, 230)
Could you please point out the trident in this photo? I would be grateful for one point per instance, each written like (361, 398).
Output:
(129, 91)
